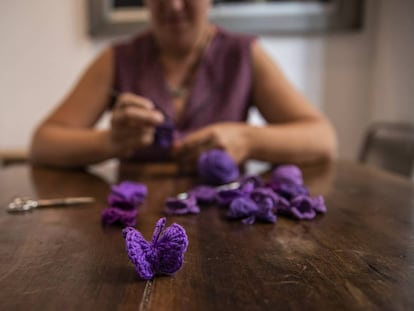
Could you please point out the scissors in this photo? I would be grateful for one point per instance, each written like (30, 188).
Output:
(230, 186)
(21, 204)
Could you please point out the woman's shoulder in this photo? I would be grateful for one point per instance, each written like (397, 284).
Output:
(226, 36)
(232, 46)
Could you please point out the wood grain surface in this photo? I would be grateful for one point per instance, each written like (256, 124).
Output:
(359, 256)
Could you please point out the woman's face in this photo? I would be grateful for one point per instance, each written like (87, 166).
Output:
(178, 21)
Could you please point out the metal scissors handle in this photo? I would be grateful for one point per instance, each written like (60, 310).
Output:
(21, 204)
(230, 186)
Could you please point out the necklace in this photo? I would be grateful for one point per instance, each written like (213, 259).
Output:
(180, 91)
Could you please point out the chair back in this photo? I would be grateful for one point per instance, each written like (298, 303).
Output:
(390, 146)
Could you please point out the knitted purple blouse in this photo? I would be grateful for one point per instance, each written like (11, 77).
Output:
(220, 92)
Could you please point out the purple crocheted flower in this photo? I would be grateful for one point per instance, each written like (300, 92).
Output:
(266, 210)
(113, 215)
(163, 255)
(266, 201)
(225, 197)
(250, 182)
(164, 135)
(123, 201)
(250, 211)
(288, 173)
(318, 204)
(260, 205)
(204, 194)
(179, 206)
(263, 194)
(285, 194)
(241, 207)
(288, 190)
(216, 167)
(299, 208)
(127, 195)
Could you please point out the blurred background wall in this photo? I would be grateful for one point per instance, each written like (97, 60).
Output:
(354, 78)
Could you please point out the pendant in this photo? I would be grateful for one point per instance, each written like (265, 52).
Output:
(178, 92)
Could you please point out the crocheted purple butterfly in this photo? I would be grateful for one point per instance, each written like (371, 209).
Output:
(123, 201)
(164, 135)
(163, 255)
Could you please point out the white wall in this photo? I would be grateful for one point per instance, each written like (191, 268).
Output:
(43, 48)
(354, 78)
(393, 76)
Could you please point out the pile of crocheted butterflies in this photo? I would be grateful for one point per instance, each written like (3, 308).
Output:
(248, 198)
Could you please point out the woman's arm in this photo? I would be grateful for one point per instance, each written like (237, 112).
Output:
(67, 137)
(296, 132)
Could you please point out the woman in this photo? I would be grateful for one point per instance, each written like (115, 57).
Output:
(187, 71)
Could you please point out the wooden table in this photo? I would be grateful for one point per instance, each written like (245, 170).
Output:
(359, 256)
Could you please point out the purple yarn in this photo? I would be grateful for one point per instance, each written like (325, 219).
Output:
(164, 135)
(262, 194)
(204, 194)
(318, 204)
(267, 202)
(123, 201)
(216, 167)
(251, 181)
(177, 206)
(288, 173)
(127, 195)
(247, 187)
(113, 215)
(285, 194)
(225, 197)
(260, 205)
(241, 207)
(250, 211)
(299, 208)
(163, 255)
(288, 190)
(266, 209)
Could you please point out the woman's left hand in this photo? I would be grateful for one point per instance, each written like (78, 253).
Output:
(229, 136)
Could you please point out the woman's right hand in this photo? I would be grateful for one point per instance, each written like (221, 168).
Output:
(133, 123)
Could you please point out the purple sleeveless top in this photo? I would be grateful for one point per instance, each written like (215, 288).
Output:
(221, 90)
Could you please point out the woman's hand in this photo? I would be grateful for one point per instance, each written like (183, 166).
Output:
(226, 136)
(133, 124)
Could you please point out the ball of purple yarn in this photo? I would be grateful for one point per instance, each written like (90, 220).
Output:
(287, 173)
(216, 167)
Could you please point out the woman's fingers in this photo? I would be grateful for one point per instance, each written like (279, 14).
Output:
(128, 99)
(133, 123)
(226, 136)
(200, 141)
(135, 111)
(188, 151)
(128, 141)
